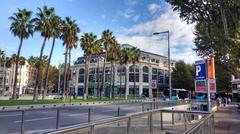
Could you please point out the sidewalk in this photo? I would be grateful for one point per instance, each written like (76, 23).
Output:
(227, 120)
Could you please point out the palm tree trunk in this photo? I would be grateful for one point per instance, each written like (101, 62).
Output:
(86, 78)
(111, 81)
(103, 78)
(20, 75)
(47, 71)
(65, 74)
(126, 79)
(98, 82)
(134, 85)
(35, 95)
(14, 97)
(68, 73)
(120, 89)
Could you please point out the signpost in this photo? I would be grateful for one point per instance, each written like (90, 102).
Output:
(153, 84)
(205, 78)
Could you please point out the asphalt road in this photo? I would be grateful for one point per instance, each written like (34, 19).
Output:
(37, 121)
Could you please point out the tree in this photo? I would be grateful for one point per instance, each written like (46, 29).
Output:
(134, 58)
(43, 25)
(88, 42)
(55, 31)
(70, 38)
(98, 49)
(22, 62)
(217, 29)
(21, 27)
(125, 58)
(113, 54)
(32, 61)
(107, 40)
(183, 76)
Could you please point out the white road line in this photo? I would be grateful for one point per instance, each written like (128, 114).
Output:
(77, 114)
(38, 119)
(9, 115)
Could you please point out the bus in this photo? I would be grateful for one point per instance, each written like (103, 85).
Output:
(182, 94)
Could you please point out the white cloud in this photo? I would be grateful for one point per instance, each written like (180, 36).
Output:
(153, 8)
(129, 14)
(181, 36)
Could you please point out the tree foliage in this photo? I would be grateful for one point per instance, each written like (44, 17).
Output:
(183, 76)
(217, 29)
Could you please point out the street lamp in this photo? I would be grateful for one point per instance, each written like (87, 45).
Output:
(169, 62)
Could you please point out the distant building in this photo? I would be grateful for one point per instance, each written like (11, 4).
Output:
(151, 67)
(24, 79)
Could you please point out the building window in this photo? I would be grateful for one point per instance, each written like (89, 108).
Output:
(91, 77)
(121, 74)
(145, 74)
(81, 76)
(107, 74)
(154, 74)
(160, 76)
(131, 73)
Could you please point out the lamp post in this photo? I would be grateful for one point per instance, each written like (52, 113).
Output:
(169, 61)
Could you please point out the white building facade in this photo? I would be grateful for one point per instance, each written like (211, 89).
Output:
(151, 67)
(7, 79)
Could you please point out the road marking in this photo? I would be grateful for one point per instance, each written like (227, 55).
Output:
(77, 114)
(38, 119)
(9, 115)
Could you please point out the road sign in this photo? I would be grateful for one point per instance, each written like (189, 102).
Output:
(153, 84)
(200, 70)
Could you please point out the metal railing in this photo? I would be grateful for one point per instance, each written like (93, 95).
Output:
(148, 122)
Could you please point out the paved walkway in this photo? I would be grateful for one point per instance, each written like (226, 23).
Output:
(227, 120)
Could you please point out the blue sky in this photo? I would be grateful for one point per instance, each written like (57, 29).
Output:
(132, 21)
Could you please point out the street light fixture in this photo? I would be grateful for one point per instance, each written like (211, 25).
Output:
(169, 62)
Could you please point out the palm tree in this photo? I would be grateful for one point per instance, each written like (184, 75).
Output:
(22, 62)
(56, 27)
(44, 63)
(70, 38)
(12, 61)
(32, 61)
(125, 58)
(43, 25)
(97, 51)
(88, 43)
(22, 27)
(135, 54)
(113, 54)
(107, 40)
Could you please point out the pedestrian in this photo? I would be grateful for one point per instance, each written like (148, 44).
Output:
(218, 103)
(224, 101)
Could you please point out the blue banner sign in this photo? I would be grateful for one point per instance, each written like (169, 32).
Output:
(200, 70)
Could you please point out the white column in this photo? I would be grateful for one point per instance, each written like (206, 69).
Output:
(150, 78)
(140, 78)
(127, 82)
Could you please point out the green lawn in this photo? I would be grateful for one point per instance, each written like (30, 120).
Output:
(51, 101)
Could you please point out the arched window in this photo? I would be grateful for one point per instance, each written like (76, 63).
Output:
(154, 73)
(81, 76)
(131, 73)
(145, 74)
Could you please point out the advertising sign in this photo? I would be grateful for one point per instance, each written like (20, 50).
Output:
(153, 84)
(200, 70)
(200, 86)
(211, 68)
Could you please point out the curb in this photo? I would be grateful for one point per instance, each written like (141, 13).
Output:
(62, 105)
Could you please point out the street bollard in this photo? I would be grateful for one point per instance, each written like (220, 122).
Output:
(185, 120)
(22, 122)
(129, 125)
(161, 120)
(151, 123)
(57, 119)
(89, 115)
(118, 112)
(172, 116)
